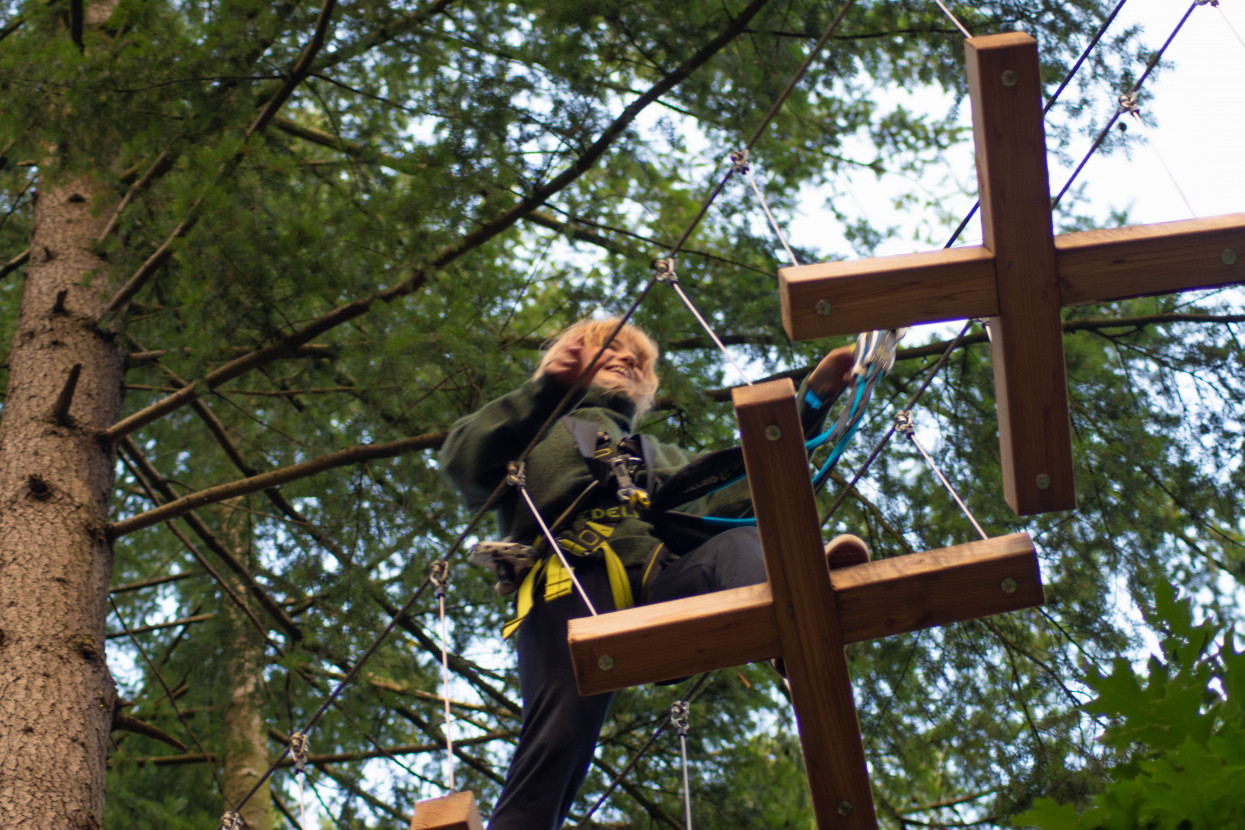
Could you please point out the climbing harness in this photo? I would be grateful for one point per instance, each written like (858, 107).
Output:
(559, 576)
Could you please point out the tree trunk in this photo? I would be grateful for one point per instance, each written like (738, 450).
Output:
(56, 694)
(246, 733)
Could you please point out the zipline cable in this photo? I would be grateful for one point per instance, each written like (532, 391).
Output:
(765, 122)
(953, 18)
(906, 425)
(679, 712)
(1154, 60)
(635, 759)
(1085, 53)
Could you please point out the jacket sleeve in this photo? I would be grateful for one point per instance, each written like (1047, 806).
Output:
(480, 445)
(813, 409)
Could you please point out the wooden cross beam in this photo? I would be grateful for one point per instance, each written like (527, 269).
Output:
(456, 811)
(1020, 277)
(805, 613)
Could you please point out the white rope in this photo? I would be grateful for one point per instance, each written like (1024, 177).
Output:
(953, 18)
(1128, 103)
(665, 274)
(679, 711)
(517, 479)
(739, 162)
(299, 748)
(440, 581)
(904, 424)
(302, 803)
(1228, 23)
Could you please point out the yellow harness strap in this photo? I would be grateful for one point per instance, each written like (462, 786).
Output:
(558, 578)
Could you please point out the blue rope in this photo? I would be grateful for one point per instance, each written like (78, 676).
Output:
(849, 425)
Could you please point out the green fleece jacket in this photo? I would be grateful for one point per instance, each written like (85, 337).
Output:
(479, 447)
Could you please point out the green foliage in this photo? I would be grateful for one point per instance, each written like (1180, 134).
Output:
(402, 161)
(1180, 727)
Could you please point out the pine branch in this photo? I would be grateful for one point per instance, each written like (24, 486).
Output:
(326, 758)
(125, 723)
(312, 351)
(468, 672)
(151, 583)
(201, 530)
(352, 455)
(482, 234)
(162, 165)
(145, 629)
(299, 73)
(346, 784)
(383, 35)
(296, 76)
(14, 263)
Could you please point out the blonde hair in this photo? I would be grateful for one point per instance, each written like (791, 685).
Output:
(596, 333)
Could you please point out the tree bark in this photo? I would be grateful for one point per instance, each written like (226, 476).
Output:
(246, 733)
(56, 694)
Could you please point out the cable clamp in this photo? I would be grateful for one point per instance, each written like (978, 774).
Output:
(665, 271)
(231, 820)
(1128, 104)
(515, 474)
(298, 751)
(440, 577)
(679, 710)
(739, 161)
(905, 423)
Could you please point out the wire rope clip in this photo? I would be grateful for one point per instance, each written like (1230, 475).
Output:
(1128, 104)
(739, 161)
(876, 349)
(665, 271)
(516, 475)
(679, 711)
(298, 751)
(231, 820)
(440, 577)
(510, 561)
(905, 423)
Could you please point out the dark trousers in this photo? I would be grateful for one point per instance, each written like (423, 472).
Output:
(560, 728)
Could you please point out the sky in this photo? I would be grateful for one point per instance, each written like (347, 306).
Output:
(1200, 134)
(1192, 163)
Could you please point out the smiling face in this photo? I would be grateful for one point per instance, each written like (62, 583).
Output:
(619, 369)
(627, 364)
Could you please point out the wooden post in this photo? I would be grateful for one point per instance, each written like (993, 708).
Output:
(805, 613)
(1020, 278)
(456, 811)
